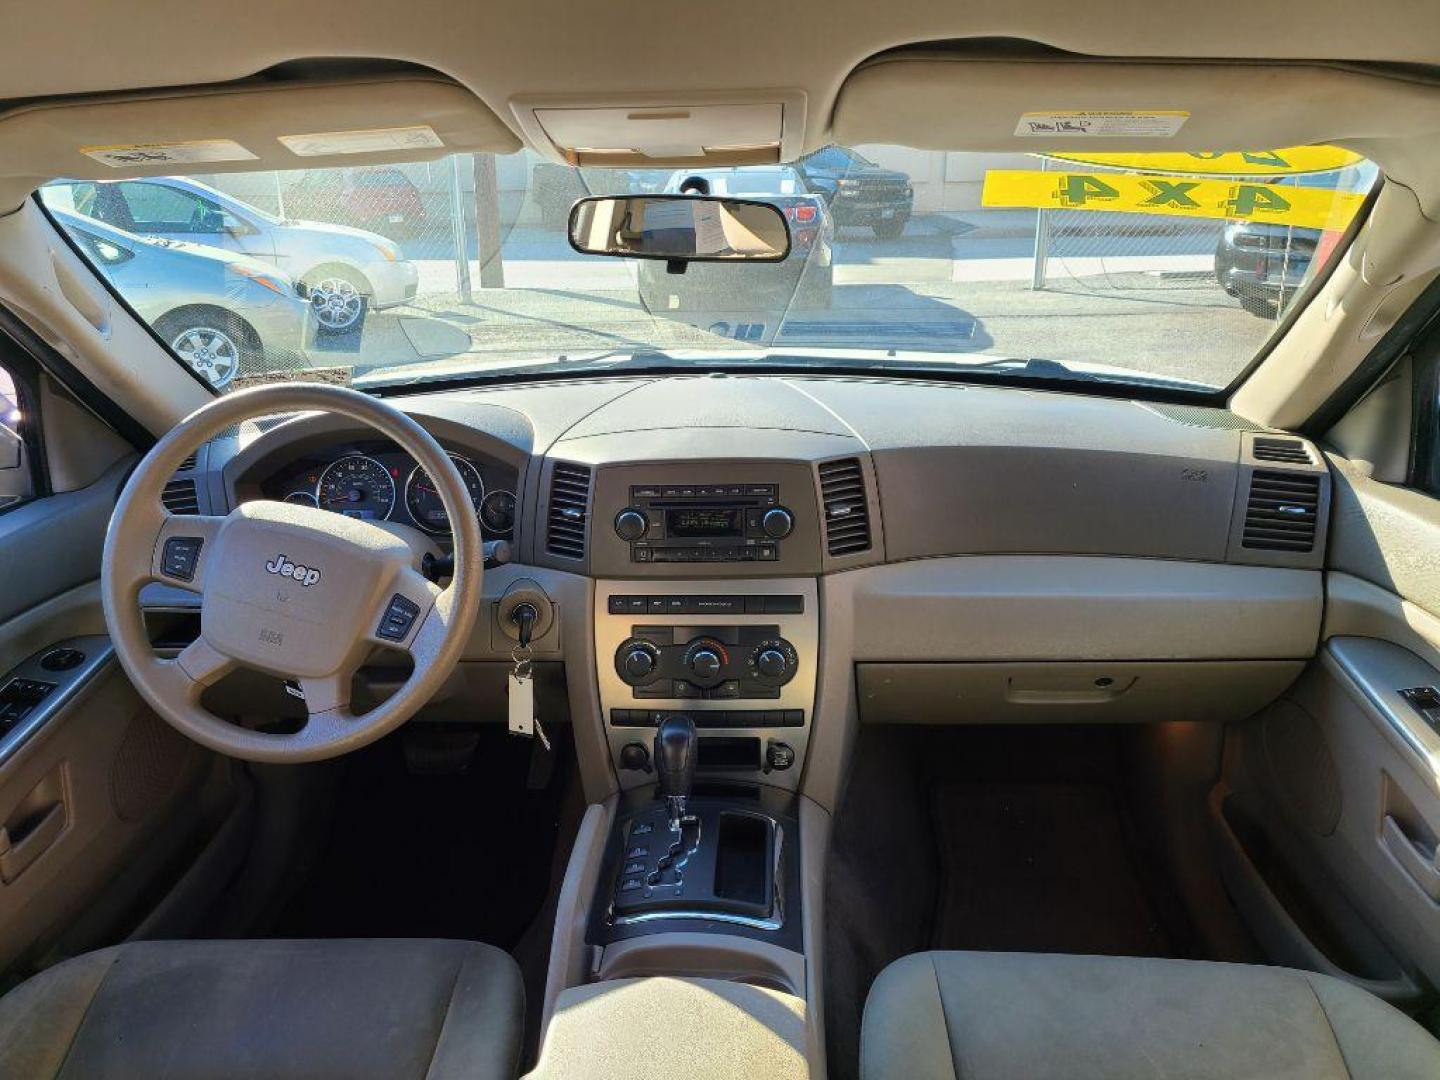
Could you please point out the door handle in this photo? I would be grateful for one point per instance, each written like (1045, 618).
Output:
(1419, 864)
(17, 854)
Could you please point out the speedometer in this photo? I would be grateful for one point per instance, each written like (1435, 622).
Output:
(422, 498)
(356, 486)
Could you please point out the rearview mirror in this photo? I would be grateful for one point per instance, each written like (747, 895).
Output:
(680, 228)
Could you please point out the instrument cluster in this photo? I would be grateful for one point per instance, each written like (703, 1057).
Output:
(378, 482)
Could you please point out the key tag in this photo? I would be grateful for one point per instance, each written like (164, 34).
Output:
(521, 692)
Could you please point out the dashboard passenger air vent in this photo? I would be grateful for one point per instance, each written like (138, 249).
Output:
(1288, 451)
(569, 509)
(847, 515)
(1282, 511)
(181, 496)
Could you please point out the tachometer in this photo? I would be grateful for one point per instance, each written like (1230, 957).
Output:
(302, 498)
(356, 486)
(423, 500)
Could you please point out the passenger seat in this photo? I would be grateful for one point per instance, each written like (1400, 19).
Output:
(979, 1016)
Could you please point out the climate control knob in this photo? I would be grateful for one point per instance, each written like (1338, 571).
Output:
(636, 661)
(773, 662)
(705, 659)
(770, 663)
(631, 524)
(705, 663)
(778, 523)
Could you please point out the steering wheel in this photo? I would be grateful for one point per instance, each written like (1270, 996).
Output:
(293, 591)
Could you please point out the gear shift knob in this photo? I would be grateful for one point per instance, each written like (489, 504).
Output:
(676, 747)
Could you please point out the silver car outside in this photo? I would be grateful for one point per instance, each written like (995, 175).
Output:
(342, 270)
(221, 313)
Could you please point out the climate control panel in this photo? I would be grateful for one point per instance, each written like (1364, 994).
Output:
(738, 656)
(709, 663)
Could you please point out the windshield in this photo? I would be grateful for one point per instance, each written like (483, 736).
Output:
(1158, 270)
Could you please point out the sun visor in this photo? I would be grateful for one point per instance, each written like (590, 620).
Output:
(245, 126)
(760, 128)
(930, 101)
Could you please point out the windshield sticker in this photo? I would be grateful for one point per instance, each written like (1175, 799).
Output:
(130, 155)
(1292, 161)
(1174, 196)
(373, 141)
(1156, 124)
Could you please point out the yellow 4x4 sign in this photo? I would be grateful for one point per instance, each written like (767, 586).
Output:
(1172, 196)
(1291, 161)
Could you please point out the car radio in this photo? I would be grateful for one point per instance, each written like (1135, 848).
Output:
(704, 523)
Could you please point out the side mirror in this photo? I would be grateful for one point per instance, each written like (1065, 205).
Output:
(680, 228)
(235, 226)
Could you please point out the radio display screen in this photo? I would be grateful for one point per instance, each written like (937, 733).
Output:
(705, 522)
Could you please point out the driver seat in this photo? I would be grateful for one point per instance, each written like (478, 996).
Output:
(274, 1009)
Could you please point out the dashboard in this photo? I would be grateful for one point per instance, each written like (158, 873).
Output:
(784, 557)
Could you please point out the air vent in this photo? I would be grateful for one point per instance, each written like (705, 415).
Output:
(1286, 451)
(569, 509)
(1282, 511)
(181, 496)
(188, 463)
(847, 515)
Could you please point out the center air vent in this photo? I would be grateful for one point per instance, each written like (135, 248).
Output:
(847, 514)
(181, 496)
(569, 510)
(1286, 451)
(1282, 511)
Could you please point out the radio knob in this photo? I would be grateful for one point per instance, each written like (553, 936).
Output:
(770, 663)
(778, 523)
(631, 524)
(636, 661)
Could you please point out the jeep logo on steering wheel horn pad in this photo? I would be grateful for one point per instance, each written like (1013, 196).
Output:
(285, 568)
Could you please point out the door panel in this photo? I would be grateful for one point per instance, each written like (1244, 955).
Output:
(91, 779)
(1340, 779)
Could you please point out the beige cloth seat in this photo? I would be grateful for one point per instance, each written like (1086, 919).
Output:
(281, 1010)
(978, 1016)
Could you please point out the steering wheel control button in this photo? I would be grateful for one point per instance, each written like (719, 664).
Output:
(399, 617)
(180, 556)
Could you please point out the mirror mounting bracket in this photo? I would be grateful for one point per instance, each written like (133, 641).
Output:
(676, 266)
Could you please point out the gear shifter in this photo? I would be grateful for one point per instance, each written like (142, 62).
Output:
(676, 747)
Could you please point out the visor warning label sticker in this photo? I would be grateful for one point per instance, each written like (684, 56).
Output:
(132, 155)
(1081, 124)
(373, 141)
(1172, 196)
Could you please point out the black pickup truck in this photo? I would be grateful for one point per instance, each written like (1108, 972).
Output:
(858, 191)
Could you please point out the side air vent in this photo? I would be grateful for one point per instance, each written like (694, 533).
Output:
(181, 496)
(847, 515)
(569, 509)
(1285, 451)
(1282, 511)
(188, 463)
